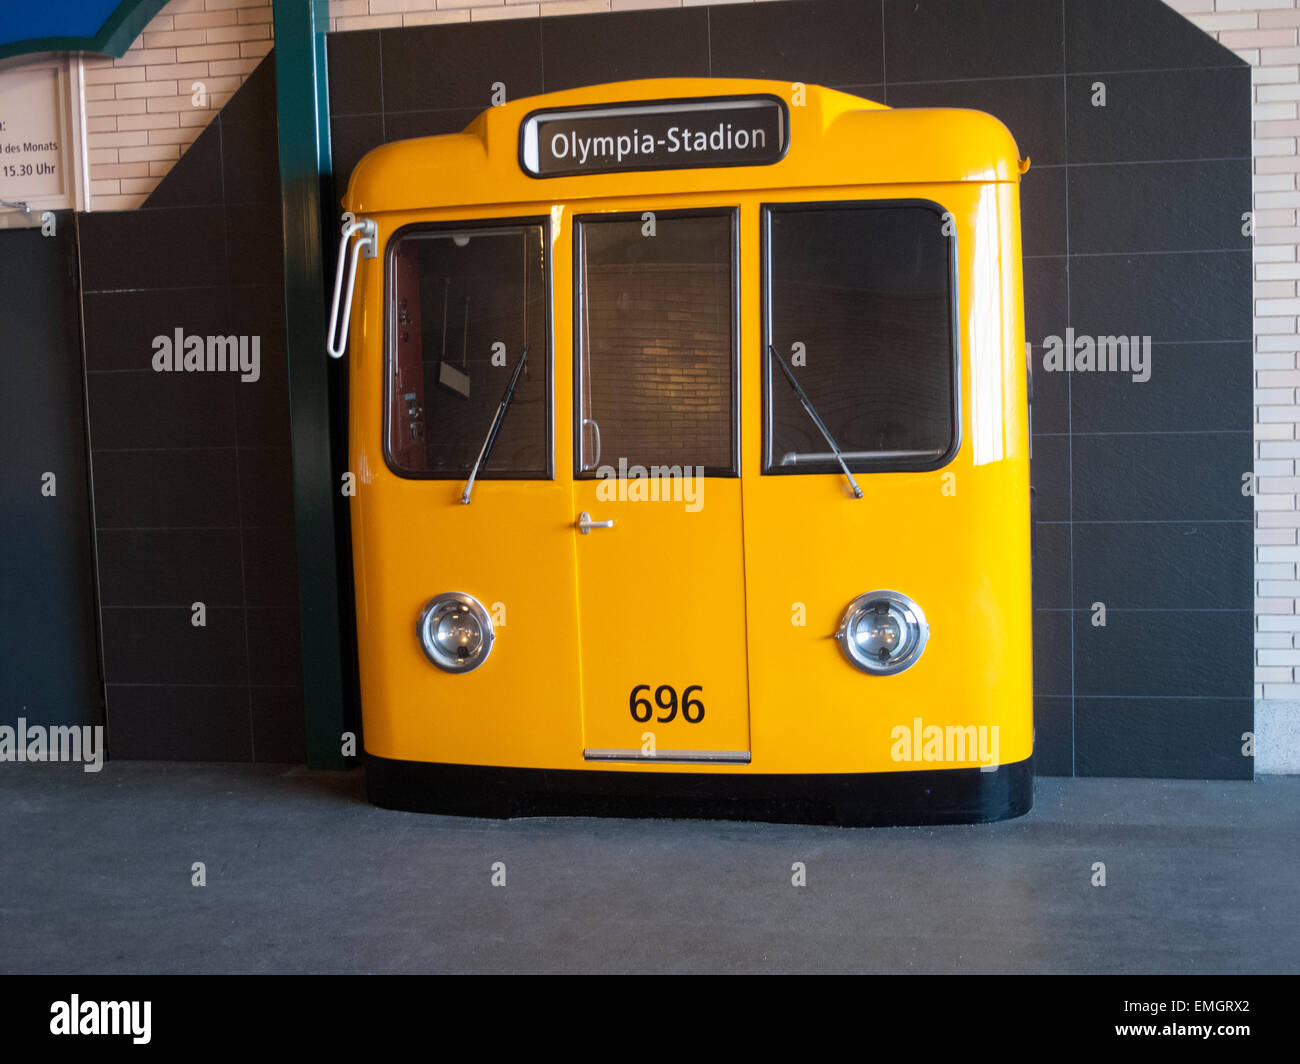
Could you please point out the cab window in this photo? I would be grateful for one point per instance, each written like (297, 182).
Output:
(467, 303)
(656, 341)
(859, 305)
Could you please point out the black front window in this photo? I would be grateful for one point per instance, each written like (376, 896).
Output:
(467, 302)
(859, 306)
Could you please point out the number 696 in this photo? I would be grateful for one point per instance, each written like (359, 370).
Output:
(665, 697)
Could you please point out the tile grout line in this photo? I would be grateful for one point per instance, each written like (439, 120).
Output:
(1069, 388)
(234, 414)
(884, 68)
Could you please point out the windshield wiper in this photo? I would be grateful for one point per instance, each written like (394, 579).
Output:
(821, 426)
(495, 427)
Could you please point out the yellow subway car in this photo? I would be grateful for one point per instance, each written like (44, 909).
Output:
(689, 428)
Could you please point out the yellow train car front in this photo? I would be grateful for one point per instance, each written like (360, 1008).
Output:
(690, 431)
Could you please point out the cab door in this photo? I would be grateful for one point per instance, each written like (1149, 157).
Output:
(464, 309)
(884, 312)
(657, 519)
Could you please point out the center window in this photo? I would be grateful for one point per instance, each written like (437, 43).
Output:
(656, 342)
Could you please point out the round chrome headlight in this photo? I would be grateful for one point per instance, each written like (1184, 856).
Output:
(456, 632)
(883, 632)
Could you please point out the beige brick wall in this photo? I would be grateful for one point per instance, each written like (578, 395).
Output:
(372, 14)
(141, 113)
(140, 110)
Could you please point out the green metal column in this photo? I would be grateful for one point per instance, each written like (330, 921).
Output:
(302, 106)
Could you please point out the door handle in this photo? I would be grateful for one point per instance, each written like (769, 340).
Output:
(596, 431)
(587, 524)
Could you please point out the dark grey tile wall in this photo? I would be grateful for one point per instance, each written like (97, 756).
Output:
(1132, 226)
(191, 470)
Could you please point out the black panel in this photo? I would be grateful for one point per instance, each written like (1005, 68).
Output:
(273, 646)
(165, 489)
(1173, 399)
(590, 50)
(1051, 404)
(428, 123)
(255, 101)
(1178, 206)
(1161, 478)
(166, 410)
(1162, 652)
(196, 179)
(1164, 566)
(1053, 674)
(1167, 297)
(1046, 301)
(350, 138)
(180, 723)
(170, 567)
(1051, 566)
(260, 405)
(1049, 472)
(1043, 211)
(428, 67)
(163, 248)
(1146, 117)
(161, 646)
(875, 93)
(1053, 736)
(1032, 108)
(354, 73)
(204, 256)
(256, 247)
(1179, 738)
(270, 567)
(251, 173)
(263, 474)
(1129, 35)
(277, 714)
(819, 42)
(120, 326)
(945, 39)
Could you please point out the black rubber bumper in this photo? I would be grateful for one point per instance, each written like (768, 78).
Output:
(933, 796)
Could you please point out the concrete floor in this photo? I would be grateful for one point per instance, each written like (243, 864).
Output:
(304, 876)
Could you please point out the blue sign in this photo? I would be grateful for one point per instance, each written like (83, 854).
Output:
(106, 27)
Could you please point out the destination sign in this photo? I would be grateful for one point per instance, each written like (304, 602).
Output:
(658, 135)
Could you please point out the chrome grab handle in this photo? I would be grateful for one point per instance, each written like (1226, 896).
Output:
(587, 524)
(596, 430)
(336, 340)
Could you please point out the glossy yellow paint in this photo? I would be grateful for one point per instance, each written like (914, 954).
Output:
(707, 598)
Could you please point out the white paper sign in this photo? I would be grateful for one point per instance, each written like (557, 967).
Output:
(37, 163)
